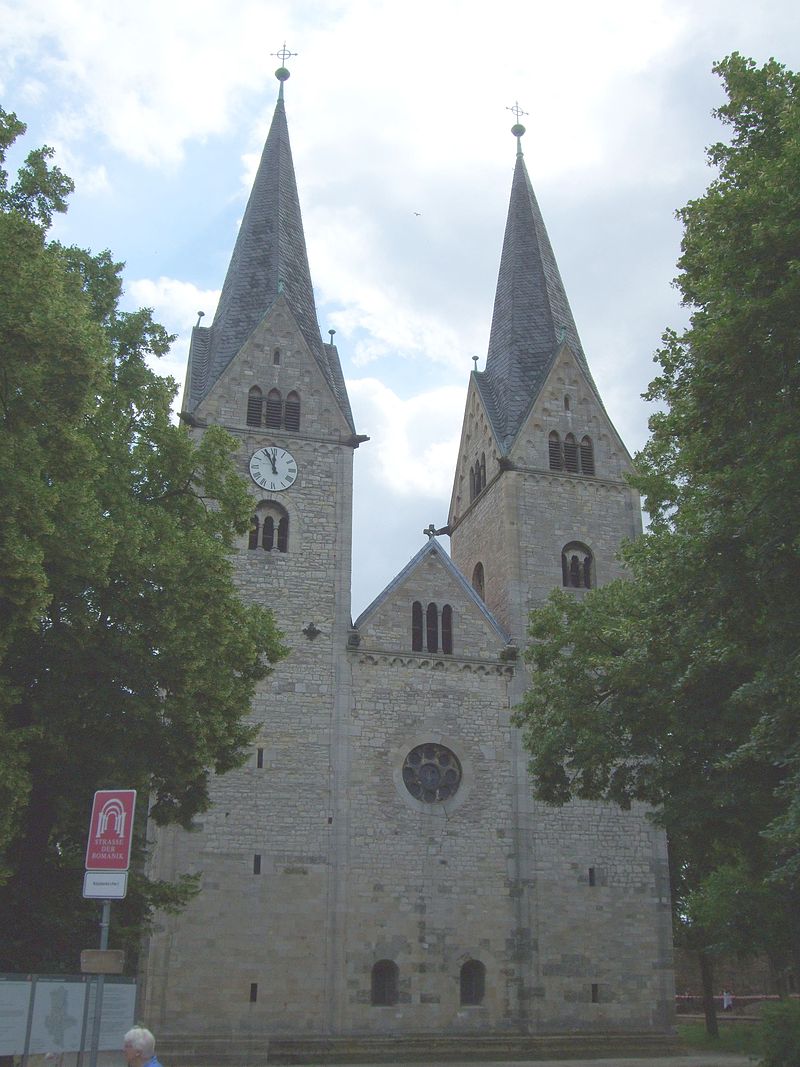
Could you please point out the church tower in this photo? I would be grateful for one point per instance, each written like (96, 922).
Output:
(540, 498)
(262, 372)
(377, 876)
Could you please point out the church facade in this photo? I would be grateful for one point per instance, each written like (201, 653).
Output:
(379, 865)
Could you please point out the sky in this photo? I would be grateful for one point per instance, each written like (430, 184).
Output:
(400, 127)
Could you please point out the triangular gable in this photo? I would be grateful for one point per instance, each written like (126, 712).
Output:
(255, 351)
(565, 352)
(455, 580)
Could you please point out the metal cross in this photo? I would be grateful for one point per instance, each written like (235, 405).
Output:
(517, 110)
(283, 54)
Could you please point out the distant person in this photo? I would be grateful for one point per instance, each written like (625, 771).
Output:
(727, 1000)
(139, 1047)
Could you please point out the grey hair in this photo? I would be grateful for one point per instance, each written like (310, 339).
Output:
(142, 1040)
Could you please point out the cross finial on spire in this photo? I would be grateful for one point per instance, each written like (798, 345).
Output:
(282, 73)
(283, 54)
(517, 129)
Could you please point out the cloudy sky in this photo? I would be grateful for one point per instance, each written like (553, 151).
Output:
(400, 134)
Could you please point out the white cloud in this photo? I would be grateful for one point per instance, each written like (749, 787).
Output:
(175, 305)
(413, 442)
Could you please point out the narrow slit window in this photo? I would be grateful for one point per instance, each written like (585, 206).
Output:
(253, 992)
(592, 877)
(276, 357)
(447, 629)
(256, 864)
(595, 993)
(479, 580)
(432, 628)
(283, 533)
(416, 627)
(260, 758)
(268, 538)
(587, 456)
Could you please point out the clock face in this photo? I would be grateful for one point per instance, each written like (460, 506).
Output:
(273, 468)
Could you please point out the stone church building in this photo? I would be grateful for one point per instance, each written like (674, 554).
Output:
(379, 865)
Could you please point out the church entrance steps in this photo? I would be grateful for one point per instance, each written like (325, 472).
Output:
(208, 1051)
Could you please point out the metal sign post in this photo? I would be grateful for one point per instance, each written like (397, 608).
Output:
(107, 850)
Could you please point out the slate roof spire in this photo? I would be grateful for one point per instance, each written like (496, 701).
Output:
(532, 316)
(269, 260)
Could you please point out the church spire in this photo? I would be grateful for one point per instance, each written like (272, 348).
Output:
(269, 260)
(532, 316)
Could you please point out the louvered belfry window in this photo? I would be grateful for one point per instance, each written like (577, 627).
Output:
(255, 406)
(291, 415)
(274, 413)
(587, 456)
(554, 451)
(571, 453)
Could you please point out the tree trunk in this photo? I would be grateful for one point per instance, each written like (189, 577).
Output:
(709, 1007)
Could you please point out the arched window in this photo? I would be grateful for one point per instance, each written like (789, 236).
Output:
(566, 403)
(447, 629)
(483, 471)
(473, 982)
(269, 528)
(577, 566)
(385, 983)
(268, 533)
(554, 450)
(570, 453)
(416, 627)
(283, 533)
(255, 406)
(276, 357)
(432, 628)
(291, 413)
(587, 456)
(274, 413)
(478, 580)
(472, 489)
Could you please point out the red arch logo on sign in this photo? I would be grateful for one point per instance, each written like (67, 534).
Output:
(111, 830)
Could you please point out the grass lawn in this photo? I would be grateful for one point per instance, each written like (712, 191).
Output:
(733, 1037)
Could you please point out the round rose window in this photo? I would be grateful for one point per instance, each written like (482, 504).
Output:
(431, 773)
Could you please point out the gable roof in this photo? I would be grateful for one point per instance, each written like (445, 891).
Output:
(433, 548)
(269, 259)
(532, 318)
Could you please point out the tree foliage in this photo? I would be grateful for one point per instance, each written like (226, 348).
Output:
(680, 687)
(126, 657)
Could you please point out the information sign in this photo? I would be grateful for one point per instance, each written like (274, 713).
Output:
(111, 830)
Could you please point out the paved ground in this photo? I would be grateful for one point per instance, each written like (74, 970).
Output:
(689, 1059)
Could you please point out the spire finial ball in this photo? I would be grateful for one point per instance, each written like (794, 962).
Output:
(282, 74)
(518, 129)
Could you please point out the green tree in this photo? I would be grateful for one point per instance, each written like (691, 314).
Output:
(127, 658)
(680, 686)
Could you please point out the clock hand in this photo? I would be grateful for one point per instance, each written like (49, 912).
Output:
(271, 456)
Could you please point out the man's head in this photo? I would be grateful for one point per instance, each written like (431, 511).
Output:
(138, 1046)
